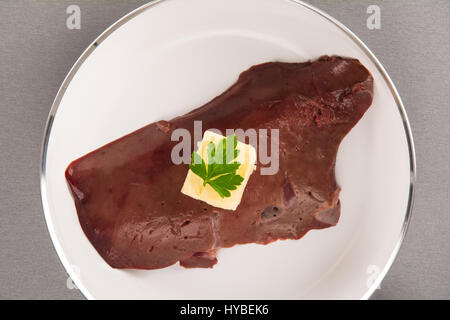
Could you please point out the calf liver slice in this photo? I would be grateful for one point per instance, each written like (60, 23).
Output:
(127, 193)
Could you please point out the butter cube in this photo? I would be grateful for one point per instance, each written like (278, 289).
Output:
(193, 185)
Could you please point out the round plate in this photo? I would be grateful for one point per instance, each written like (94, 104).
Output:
(168, 57)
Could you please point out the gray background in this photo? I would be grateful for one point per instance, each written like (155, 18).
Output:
(37, 51)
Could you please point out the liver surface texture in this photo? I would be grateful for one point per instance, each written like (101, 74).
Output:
(127, 193)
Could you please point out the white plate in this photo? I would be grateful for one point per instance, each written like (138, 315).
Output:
(171, 56)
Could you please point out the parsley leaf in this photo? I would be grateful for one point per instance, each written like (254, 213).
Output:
(220, 169)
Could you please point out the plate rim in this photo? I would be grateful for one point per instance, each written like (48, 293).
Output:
(87, 52)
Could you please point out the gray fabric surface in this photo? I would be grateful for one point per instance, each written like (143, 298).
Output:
(37, 50)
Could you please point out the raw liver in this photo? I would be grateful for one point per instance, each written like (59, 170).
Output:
(127, 193)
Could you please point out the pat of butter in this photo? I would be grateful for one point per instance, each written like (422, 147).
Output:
(193, 185)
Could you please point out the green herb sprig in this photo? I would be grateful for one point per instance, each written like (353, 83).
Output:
(220, 169)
